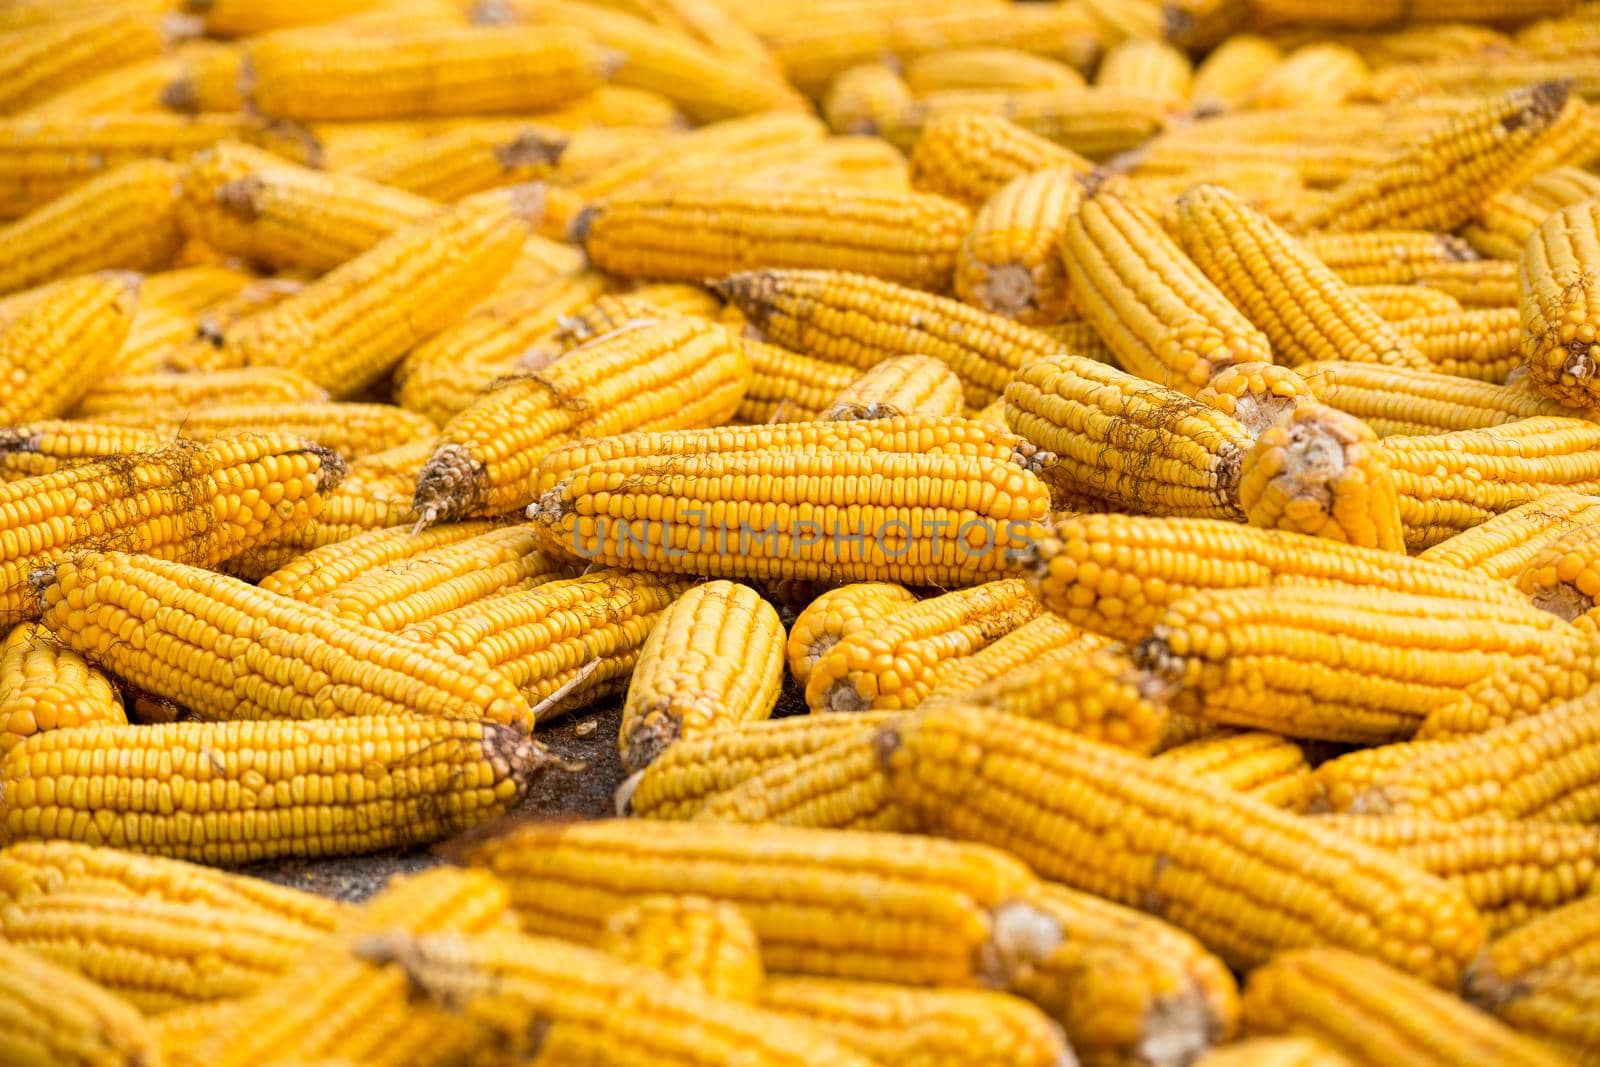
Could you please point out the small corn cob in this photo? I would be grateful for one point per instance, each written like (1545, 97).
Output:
(564, 643)
(694, 940)
(1306, 312)
(987, 68)
(1467, 159)
(351, 430)
(1128, 441)
(1266, 766)
(1042, 635)
(54, 351)
(1095, 122)
(1274, 1052)
(55, 1016)
(123, 219)
(714, 657)
(1384, 1016)
(1397, 401)
(1501, 547)
(1514, 871)
(265, 790)
(321, 572)
(1400, 303)
(786, 386)
(42, 60)
(1562, 578)
(1387, 257)
(332, 1003)
(676, 372)
(175, 396)
(947, 766)
(1010, 262)
(1313, 75)
(969, 157)
(865, 100)
(905, 385)
(46, 687)
(608, 313)
(1509, 218)
(827, 514)
(1150, 67)
(689, 234)
(345, 330)
(859, 320)
(1560, 282)
(1227, 77)
(838, 614)
(252, 204)
(321, 75)
(456, 162)
(891, 663)
(307, 664)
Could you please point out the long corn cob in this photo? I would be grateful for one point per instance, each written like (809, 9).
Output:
(52, 352)
(969, 157)
(1388, 257)
(1270, 768)
(906, 385)
(1273, 1052)
(177, 395)
(1476, 283)
(46, 687)
(1312, 75)
(1042, 635)
(50, 446)
(987, 68)
(891, 663)
(786, 386)
(1398, 303)
(714, 657)
(345, 330)
(1558, 1010)
(673, 373)
(858, 320)
(1149, 67)
(1506, 221)
(837, 614)
(54, 1016)
(695, 940)
(1560, 283)
(320, 572)
(1502, 546)
(470, 158)
(1376, 13)
(1398, 401)
(1482, 343)
(1010, 262)
(1098, 123)
(351, 430)
(41, 60)
(1227, 76)
(304, 663)
(1562, 941)
(1122, 827)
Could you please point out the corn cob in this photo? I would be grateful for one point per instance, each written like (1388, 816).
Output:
(714, 657)
(704, 943)
(351, 430)
(1562, 941)
(1560, 282)
(891, 664)
(1377, 13)
(426, 778)
(45, 687)
(865, 100)
(859, 320)
(676, 372)
(786, 386)
(258, 296)
(1044, 634)
(1227, 77)
(1097, 123)
(1273, 1052)
(608, 313)
(354, 669)
(1396, 401)
(53, 351)
(47, 447)
(153, 335)
(838, 614)
(1479, 283)
(206, 79)
(257, 206)
(711, 23)
(1400, 303)
(194, 289)
(970, 157)
(354, 323)
(322, 572)
(1010, 261)
(564, 643)
(827, 514)
(1558, 1010)
(1313, 75)
(587, 153)
(333, 1003)
(1502, 546)
(1481, 343)
(454, 163)
(1150, 67)
(132, 88)
(175, 396)
(1507, 219)
(54, 1016)
(1128, 441)
(1562, 580)
(1387, 257)
(987, 68)
(1268, 767)
(942, 763)
(1306, 312)
(42, 60)
(906, 385)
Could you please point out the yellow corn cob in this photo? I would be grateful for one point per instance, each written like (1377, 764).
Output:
(1126, 440)
(1558, 1010)
(54, 1016)
(1270, 768)
(42, 60)
(700, 942)
(947, 764)
(1480, 343)
(1010, 261)
(1377, 13)
(321, 572)
(53, 351)
(255, 297)
(348, 669)
(1563, 941)
(714, 657)
(1502, 546)
(326, 74)
(257, 206)
(590, 152)
(474, 157)
(241, 18)
(608, 313)
(891, 664)
(331, 1003)
(786, 386)
(123, 219)
(1311, 76)
(1094, 122)
(866, 100)
(1306, 312)
(690, 234)
(206, 79)
(1400, 303)
(153, 335)
(1560, 282)
(319, 788)
(859, 162)
(970, 157)
(1150, 67)
(47, 447)
(987, 68)
(1273, 1052)
(1396, 401)
(707, 21)
(177, 395)
(673, 373)
(837, 614)
(565, 643)
(904, 385)
(137, 87)
(351, 430)
(1149, 301)
(1507, 219)
(194, 289)
(1387, 257)
(1479, 283)
(1227, 77)
(1514, 871)
(1042, 635)
(346, 329)
(858, 320)
(1561, 577)
(46, 687)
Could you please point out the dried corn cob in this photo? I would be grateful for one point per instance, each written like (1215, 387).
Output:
(54, 350)
(1044, 634)
(42, 60)
(1560, 282)
(564, 643)
(152, 336)
(1274, 1052)
(252, 204)
(1306, 312)
(714, 657)
(1387, 257)
(905, 385)
(1268, 767)
(788, 387)
(1558, 1010)
(1010, 262)
(1376, 13)
(859, 320)
(1565, 940)
(1097, 123)
(891, 663)
(987, 68)
(1396, 401)
(453, 163)
(351, 430)
(1561, 578)
(1310, 76)
(206, 79)
(1146, 66)
(690, 234)
(866, 99)
(943, 764)
(194, 289)
(1502, 546)
(1478, 283)
(307, 664)
(54, 1016)
(672, 373)
(137, 87)
(1506, 220)
(46, 687)
(837, 614)
(1400, 303)
(175, 396)
(1226, 77)
(970, 157)
(319, 788)
(321, 572)
(701, 942)
(47, 447)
